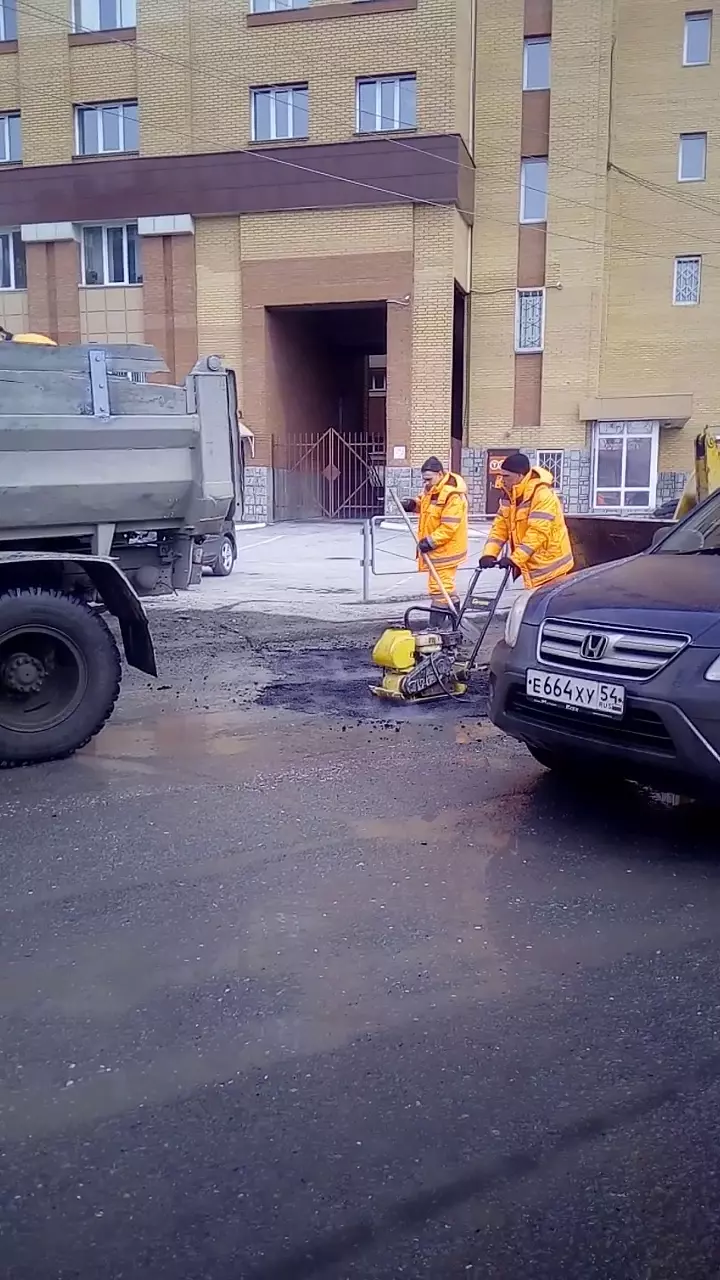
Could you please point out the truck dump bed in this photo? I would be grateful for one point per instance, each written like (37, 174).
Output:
(600, 539)
(85, 452)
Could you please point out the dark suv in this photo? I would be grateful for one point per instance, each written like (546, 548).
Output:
(618, 667)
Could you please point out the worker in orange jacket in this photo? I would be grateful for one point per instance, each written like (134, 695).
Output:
(442, 508)
(531, 523)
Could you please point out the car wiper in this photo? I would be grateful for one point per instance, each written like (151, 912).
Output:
(700, 551)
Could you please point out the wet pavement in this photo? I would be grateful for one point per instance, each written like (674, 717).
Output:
(291, 993)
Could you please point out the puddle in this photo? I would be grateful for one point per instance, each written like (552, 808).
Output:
(337, 682)
(186, 734)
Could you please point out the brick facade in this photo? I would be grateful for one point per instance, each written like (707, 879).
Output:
(170, 300)
(53, 300)
(617, 217)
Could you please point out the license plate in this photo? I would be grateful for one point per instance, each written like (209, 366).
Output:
(574, 694)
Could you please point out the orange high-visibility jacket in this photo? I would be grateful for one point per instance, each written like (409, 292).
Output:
(532, 522)
(444, 521)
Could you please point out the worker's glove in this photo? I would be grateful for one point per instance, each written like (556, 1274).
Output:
(425, 545)
(506, 563)
(487, 562)
(408, 504)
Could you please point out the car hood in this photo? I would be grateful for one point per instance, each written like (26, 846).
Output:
(650, 591)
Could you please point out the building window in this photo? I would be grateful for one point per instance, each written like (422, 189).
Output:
(271, 6)
(8, 20)
(107, 128)
(10, 143)
(686, 282)
(698, 39)
(533, 190)
(13, 272)
(386, 103)
(103, 15)
(280, 111)
(111, 255)
(625, 456)
(536, 63)
(529, 319)
(692, 157)
(552, 461)
(377, 375)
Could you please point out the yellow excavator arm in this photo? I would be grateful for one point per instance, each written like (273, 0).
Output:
(706, 476)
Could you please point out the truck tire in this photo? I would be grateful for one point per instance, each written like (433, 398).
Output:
(59, 675)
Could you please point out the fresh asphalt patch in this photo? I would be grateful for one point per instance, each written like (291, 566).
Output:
(338, 682)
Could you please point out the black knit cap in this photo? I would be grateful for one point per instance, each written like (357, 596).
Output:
(518, 463)
(433, 464)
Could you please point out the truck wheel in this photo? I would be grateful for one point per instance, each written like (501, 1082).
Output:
(59, 675)
(225, 563)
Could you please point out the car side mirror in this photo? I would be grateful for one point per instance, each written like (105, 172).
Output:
(659, 534)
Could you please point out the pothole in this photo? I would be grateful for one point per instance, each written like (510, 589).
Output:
(338, 683)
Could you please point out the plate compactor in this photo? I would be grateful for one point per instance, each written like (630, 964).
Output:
(420, 665)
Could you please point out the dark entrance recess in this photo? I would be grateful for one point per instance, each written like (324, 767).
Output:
(495, 459)
(457, 406)
(325, 387)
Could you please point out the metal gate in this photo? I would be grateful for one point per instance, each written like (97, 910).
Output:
(328, 475)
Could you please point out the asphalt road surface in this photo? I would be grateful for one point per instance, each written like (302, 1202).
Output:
(293, 987)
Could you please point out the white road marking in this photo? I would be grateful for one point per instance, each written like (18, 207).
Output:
(259, 542)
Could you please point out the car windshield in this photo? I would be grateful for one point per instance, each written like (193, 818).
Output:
(698, 534)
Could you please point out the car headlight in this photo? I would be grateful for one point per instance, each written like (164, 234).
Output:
(713, 671)
(515, 617)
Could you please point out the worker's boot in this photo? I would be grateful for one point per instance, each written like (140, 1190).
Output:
(441, 620)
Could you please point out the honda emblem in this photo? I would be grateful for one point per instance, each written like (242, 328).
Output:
(593, 647)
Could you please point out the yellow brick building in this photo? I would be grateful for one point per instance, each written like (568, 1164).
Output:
(410, 226)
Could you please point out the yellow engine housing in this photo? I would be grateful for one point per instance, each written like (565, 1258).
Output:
(395, 650)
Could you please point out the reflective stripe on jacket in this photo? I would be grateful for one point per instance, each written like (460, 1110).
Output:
(444, 521)
(531, 520)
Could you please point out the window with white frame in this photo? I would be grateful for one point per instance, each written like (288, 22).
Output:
(529, 319)
(103, 15)
(386, 103)
(13, 272)
(552, 461)
(8, 20)
(377, 375)
(698, 39)
(273, 6)
(625, 461)
(692, 157)
(279, 111)
(10, 141)
(533, 190)
(686, 281)
(536, 63)
(111, 255)
(106, 128)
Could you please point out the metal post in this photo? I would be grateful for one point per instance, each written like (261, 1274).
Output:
(99, 383)
(367, 543)
(426, 559)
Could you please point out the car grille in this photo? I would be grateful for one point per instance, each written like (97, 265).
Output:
(637, 728)
(634, 655)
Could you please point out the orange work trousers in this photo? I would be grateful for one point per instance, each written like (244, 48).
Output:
(447, 573)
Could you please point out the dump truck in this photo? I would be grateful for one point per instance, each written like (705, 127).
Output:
(109, 485)
(600, 539)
